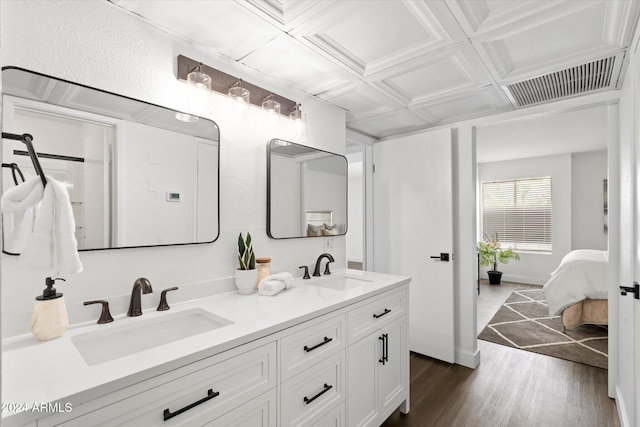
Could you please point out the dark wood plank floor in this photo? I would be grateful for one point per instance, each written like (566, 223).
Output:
(512, 388)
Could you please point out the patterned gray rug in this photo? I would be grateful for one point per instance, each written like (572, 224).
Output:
(523, 322)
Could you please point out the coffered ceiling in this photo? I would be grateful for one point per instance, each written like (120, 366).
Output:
(399, 66)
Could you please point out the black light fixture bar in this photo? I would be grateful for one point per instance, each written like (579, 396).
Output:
(221, 82)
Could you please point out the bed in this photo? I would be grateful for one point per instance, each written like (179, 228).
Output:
(577, 289)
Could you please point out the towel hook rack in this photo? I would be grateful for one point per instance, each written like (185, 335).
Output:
(15, 172)
(28, 141)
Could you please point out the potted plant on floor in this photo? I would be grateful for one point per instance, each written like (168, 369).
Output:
(246, 275)
(491, 253)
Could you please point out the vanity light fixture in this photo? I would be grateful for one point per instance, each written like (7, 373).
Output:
(270, 104)
(189, 70)
(238, 93)
(199, 78)
(297, 114)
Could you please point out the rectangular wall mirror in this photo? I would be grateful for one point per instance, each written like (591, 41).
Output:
(306, 191)
(138, 174)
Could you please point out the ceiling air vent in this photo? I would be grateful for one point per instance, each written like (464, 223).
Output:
(579, 80)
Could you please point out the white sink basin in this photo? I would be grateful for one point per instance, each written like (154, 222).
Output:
(140, 334)
(340, 282)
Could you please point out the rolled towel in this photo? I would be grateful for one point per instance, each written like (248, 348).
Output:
(271, 287)
(275, 283)
(287, 278)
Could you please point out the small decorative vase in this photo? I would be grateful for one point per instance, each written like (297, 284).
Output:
(246, 281)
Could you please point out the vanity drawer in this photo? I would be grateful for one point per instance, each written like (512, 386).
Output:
(259, 412)
(209, 393)
(306, 398)
(335, 418)
(363, 320)
(311, 345)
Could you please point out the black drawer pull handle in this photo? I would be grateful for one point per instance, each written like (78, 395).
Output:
(386, 311)
(210, 395)
(324, 390)
(327, 340)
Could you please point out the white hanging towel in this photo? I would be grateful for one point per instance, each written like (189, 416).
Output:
(52, 245)
(21, 203)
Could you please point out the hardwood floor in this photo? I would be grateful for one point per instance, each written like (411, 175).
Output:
(510, 388)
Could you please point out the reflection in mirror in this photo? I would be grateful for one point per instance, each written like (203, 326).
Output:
(137, 174)
(306, 191)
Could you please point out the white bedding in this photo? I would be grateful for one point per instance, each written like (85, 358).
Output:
(581, 274)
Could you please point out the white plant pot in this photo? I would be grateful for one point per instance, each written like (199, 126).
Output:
(246, 281)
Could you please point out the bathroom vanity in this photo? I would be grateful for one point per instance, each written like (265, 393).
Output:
(330, 350)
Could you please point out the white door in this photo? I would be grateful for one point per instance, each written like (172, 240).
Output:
(631, 334)
(413, 211)
(626, 241)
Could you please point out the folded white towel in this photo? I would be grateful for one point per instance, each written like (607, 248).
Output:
(52, 245)
(275, 283)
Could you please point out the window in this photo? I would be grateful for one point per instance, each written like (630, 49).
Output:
(519, 211)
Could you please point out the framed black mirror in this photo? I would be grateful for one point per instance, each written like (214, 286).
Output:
(137, 174)
(306, 191)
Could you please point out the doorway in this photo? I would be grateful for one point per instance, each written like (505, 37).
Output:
(569, 147)
(356, 208)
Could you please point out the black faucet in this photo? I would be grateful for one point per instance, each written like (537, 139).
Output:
(141, 286)
(316, 271)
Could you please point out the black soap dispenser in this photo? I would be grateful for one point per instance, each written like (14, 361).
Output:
(49, 318)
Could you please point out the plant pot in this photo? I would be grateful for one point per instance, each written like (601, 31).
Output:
(246, 281)
(494, 277)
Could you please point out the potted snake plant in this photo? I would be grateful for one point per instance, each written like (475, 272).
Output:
(246, 274)
(491, 254)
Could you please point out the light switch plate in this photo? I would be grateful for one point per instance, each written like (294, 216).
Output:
(328, 244)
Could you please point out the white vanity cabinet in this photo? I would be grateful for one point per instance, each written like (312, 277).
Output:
(365, 365)
(378, 367)
(346, 364)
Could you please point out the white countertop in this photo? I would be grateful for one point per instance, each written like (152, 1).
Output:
(36, 372)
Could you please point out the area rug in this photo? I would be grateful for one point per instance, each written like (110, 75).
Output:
(523, 322)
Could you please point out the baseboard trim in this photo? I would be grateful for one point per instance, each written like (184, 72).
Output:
(622, 409)
(470, 360)
(527, 280)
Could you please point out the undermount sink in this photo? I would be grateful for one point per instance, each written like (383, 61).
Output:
(140, 334)
(340, 282)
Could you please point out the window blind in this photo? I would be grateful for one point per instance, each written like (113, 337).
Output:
(520, 212)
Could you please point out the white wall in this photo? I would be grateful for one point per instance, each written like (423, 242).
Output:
(534, 267)
(96, 44)
(588, 171)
